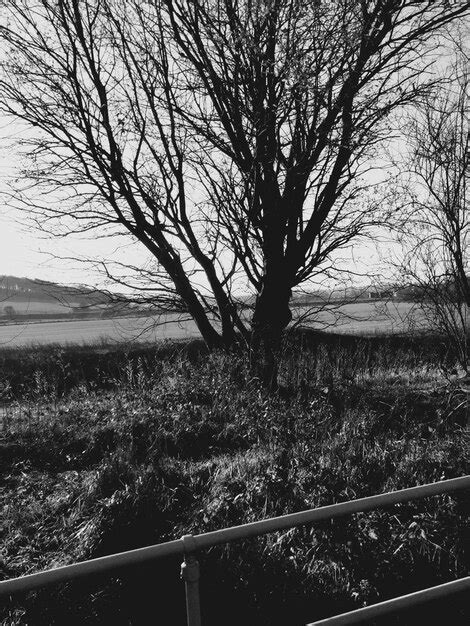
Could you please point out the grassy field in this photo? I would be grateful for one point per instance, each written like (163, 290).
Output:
(107, 449)
(26, 307)
(360, 318)
(128, 330)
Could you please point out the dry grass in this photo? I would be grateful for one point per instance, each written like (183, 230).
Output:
(140, 447)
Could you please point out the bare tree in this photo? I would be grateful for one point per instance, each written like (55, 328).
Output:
(438, 229)
(229, 137)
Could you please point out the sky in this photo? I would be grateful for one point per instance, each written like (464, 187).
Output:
(22, 252)
(26, 253)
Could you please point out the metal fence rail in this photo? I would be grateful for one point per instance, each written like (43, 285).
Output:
(188, 545)
(396, 604)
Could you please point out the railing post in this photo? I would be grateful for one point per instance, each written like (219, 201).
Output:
(190, 575)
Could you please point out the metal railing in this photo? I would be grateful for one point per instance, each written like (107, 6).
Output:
(189, 545)
(396, 604)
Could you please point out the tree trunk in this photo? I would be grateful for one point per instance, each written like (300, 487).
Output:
(211, 337)
(173, 266)
(271, 316)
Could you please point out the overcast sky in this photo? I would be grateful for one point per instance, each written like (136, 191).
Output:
(28, 253)
(25, 252)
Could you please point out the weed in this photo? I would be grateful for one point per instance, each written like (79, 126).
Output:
(140, 446)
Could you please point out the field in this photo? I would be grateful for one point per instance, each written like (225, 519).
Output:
(33, 307)
(120, 330)
(362, 318)
(115, 447)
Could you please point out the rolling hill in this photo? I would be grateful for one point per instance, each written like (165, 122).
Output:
(25, 297)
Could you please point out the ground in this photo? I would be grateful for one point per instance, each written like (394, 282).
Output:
(110, 449)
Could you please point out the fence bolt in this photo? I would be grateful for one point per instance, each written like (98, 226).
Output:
(190, 574)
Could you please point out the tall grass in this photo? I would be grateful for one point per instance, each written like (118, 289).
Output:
(142, 446)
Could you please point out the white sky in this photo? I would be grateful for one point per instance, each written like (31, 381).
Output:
(26, 253)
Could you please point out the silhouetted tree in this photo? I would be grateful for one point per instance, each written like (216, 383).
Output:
(227, 136)
(438, 230)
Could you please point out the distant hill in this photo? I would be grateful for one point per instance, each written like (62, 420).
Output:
(26, 297)
(335, 296)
